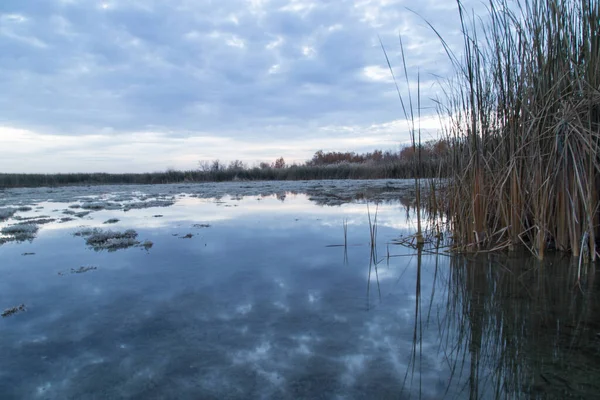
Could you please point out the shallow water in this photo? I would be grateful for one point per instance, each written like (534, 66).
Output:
(259, 305)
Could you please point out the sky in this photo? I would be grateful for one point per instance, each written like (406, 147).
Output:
(147, 85)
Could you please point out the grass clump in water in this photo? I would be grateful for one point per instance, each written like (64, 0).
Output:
(13, 310)
(20, 232)
(6, 213)
(109, 240)
(81, 270)
(100, 205)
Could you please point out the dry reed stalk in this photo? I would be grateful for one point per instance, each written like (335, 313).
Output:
(524, 114)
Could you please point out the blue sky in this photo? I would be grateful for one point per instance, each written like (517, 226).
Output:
(145, 85)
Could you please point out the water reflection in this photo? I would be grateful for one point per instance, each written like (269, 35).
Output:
(510, 327)
(258, 305)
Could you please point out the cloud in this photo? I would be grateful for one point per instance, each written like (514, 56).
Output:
(259, 73)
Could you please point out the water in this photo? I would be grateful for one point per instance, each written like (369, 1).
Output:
(259, 304)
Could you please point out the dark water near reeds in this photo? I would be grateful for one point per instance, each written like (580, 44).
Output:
(257, 305)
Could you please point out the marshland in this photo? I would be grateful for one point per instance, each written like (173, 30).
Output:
(463, 268)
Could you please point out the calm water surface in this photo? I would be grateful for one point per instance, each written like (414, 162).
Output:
(260, 305)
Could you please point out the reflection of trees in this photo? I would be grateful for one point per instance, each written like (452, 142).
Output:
(513, 327)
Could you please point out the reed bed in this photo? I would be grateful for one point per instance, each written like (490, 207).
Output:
(524, 128)
(343, 170)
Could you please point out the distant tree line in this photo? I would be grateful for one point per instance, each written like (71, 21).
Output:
(323, 165)
(435, 150)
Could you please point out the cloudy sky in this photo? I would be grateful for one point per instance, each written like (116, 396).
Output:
(145, 85)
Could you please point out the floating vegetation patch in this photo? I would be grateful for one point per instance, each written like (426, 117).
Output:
(79, 214)
(24, 208)
(19, 218)
(201, 225)
(188, 236)
(112, 221)
(40, 221)
(148, 204)
(75, 206)
(109, 240)
(101, 205)
(20, 232)
(13, 310)
(65, 219)
(79, 270)
(6, 213)
(147, 244)
(84, 232)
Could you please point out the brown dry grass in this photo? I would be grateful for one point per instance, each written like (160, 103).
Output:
(524, 112)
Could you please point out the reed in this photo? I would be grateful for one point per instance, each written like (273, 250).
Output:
(402, 169)
(524, 127)
(373, 232)
(406, 102)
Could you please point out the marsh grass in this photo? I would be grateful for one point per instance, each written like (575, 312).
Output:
(524, 127)
(401, 169)
(414, 129)
(20, 232)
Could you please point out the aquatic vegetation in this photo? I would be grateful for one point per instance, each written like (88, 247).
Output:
(20, 218)
(20, 232)
(111, 221)
(6, 213)
(524, 128)
(79, 214)
(108, 240)
(148, 204)
(99, 239)
(79, 270)
(13, 310)
(101, 205)
(187, 236)
(39, 221)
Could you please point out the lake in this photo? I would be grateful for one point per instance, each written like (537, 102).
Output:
(275, 290)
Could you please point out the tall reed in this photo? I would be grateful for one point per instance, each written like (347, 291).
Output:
(524, 123)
